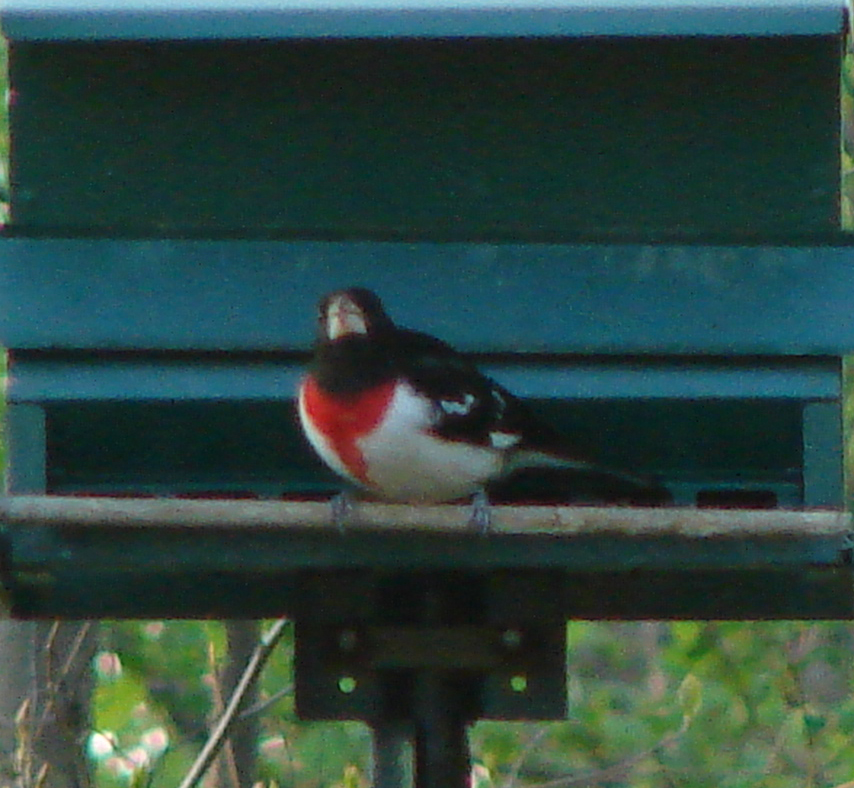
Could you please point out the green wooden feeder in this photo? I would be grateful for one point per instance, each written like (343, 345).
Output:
(627, 210)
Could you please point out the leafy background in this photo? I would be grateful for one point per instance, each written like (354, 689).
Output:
(652, 704)
(712, 704)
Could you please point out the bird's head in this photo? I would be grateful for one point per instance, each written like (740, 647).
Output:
(352, 312)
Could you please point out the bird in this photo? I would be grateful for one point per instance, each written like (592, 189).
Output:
(404, 417)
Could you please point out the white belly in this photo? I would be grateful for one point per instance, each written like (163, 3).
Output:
(407, 463)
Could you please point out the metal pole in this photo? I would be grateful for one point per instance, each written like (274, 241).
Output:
(441, 741)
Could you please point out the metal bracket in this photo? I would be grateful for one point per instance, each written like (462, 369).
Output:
(351, 664)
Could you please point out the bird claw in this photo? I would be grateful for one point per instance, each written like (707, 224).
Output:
(343, 510)
(480, 519)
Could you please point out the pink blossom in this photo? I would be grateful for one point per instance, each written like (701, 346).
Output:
(108, 665)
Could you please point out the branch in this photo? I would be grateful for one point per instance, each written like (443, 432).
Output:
(529, 747)
(617, 770)
(263, 705)
(269, 641)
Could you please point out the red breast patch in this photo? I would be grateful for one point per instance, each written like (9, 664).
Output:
(344, 419)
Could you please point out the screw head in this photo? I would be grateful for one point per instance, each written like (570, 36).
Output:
(348, 640)
(511, 638)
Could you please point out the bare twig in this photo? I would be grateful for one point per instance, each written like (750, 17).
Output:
(617, 770)
(55, 685)
(74, 651)
(263, 705)
(530, 745)
(22, 761)
(218, 708)
(218, 735)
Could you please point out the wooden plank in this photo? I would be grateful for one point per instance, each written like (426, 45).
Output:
(553, 521)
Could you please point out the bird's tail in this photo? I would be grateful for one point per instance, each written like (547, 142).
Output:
(537, 477)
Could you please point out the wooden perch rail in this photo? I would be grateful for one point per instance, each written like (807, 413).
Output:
(80, 512)
(85, 557)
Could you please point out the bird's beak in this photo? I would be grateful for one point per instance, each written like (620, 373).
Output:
(343, 317)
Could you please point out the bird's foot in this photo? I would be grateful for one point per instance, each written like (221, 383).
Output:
(343, 510)
(480, 519)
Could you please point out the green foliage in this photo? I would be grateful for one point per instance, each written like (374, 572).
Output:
(690, 698)
(692, 703)
(651, 705)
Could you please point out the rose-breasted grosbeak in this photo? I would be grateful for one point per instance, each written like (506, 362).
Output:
(407, 418)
